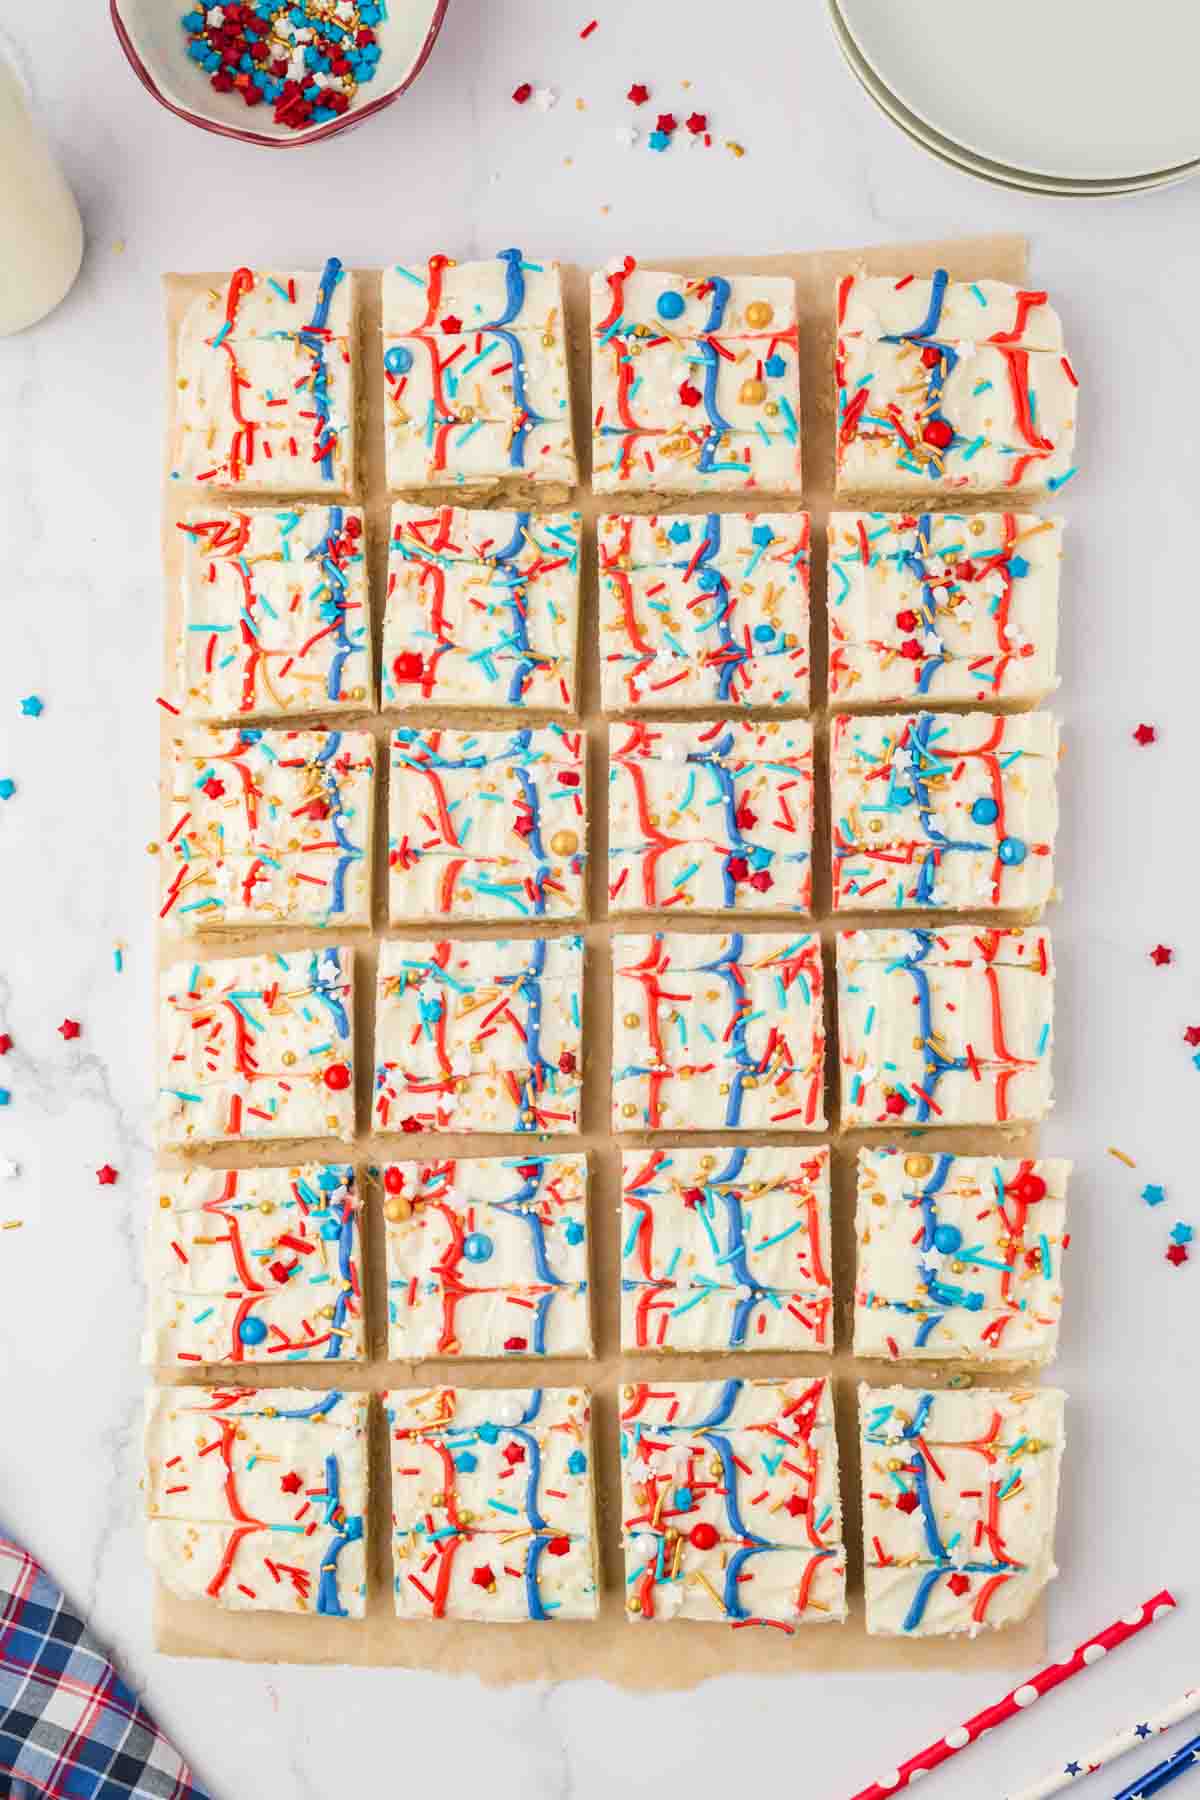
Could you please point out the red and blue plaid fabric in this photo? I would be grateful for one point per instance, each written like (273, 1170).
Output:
(70, 1729)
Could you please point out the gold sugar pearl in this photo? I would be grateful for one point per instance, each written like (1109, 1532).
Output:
(564, 843)
(753, 393)
(759, 313)
(395, 1210)
(629, 1110)
(289, 1057)
(632, 1021)
(918, 1165)
(266, 1206)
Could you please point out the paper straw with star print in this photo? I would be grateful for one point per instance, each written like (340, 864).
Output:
(1153, 1781)
(1117, 1745)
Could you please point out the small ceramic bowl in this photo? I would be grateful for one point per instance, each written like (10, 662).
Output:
(154, 41)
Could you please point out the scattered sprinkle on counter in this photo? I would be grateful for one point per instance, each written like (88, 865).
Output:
(306, 59)
(1161, 955)
(1145, 734)
(8, 788)
(107, 1175)
(1181, 1233)
(523, 93)
(1121, 1157)
(70, 1028)
(1177, 1254)
(589, 28)
(638, 94)
(1154, 1195)
(5, 1097)
(32, 706)
(9, 1170)
(5, 1043)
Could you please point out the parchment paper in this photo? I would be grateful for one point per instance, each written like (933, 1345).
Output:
(662, 1655)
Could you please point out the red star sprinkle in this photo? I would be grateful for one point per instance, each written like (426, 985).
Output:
(667, 122)
(895, 1104)
(1191, 1036)
(559, 1546)
(1160, 956)
(907, 1503)
(747, 818)
(213, 788)
(692, 1196)
(514, 1454)
(761, 880)
(638, 94)
(450, 324)
(1145, 734)
(690, 396)
(738, 868)
(291, 1483)
(5, 1043)
(70, 1028)
(566, 1063)
(1178, 1255)
(522, 93)
(959, 1584)
(106, 1176)
(483, 1577)
(412, 1123)
(696, 123)
(796, 1506)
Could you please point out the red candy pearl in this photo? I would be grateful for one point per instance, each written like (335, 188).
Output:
(337, 1077)
(558, 1546)
(939, 433)
(703, 1536)
(1029, 1188)
(393, 1180)
(931, 356)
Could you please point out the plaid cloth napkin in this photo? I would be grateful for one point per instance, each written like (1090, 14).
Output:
(69, 1727)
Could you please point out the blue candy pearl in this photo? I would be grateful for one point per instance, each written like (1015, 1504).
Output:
(763, 634)
(1011, 851)
(331, 1231)
(947, 1239)
(398, 359)
(985, 812)
(670, 305)
(252, 1331)
(477, 1246)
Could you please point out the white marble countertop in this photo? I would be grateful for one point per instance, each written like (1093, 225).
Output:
(457, 165)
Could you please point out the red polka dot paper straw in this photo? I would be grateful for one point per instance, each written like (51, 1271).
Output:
(1021, 1698)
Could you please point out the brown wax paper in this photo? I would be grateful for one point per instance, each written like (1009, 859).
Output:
(659, 1655)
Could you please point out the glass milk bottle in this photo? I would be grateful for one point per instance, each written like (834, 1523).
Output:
(41, 237)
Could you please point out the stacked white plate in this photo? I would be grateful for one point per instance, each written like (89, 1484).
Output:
(1078, 97)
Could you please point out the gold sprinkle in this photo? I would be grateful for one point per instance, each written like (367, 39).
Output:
(1121, 1157)
(734, 149)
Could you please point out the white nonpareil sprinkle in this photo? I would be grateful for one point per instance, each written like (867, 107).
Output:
(545, 98)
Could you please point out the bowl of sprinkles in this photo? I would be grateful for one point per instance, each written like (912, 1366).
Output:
(276, 72)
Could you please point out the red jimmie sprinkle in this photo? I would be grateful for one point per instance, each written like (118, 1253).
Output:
(589, 28)
(521, 94)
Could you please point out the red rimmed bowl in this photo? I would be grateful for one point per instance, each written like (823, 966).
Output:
(156, 46)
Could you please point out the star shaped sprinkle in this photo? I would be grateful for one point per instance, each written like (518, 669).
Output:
(1161, 955)
(1145, 734)
(1181, 1233)
(213, 787)
(666, 122)
(31, 706)
(450, 324)
(696, 123)
(291, 1483)
(1177, 1255)
(70, 1028)
(1191, 1036)
(1142, 1731)
(106, 1176)
(795, 1505)
(5, 1096)
(8, 788)
(1154, 1195)
(658, 140)
(638, 94)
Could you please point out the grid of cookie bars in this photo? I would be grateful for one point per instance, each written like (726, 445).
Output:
(517, 841)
